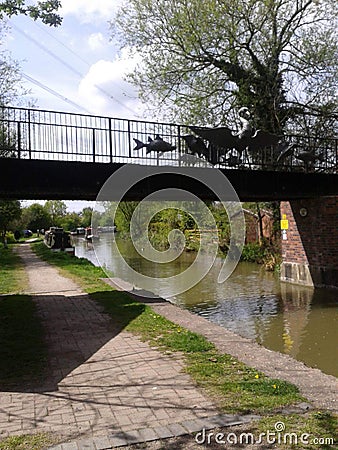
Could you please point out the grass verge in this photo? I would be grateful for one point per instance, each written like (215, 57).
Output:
(28, 442)
(23, 351)
(12, 274)
(235, 387)
(22, 347)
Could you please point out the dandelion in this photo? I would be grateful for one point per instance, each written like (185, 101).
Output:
(274, 386)
(257, 376)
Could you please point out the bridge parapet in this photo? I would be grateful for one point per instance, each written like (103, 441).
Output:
(60, 136)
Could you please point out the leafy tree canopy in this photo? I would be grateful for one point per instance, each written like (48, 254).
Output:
(35, 217)
(10, 210)
(57, 209)
(201, 60)
(46, 11)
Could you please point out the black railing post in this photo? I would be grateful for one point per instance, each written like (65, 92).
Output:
(179, 144)
(18, 137)
(110, 141)
(129, 140)
(29, 135)
(93, 143)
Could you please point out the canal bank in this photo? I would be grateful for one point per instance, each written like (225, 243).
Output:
(319, 388)
(301, 322)
(87, 393)
(77, 326)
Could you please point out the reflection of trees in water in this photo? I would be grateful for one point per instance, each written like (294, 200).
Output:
(283, 317)
(247, 316)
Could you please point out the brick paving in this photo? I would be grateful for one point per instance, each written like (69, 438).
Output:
(102, 381)
(105, 388)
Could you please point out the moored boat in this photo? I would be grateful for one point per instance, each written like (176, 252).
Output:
(59, 240)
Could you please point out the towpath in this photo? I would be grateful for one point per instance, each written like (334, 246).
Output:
(104, 386)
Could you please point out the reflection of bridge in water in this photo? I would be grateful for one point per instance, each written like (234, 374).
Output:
(46, 151)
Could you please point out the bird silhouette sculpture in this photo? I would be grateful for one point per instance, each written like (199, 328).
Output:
(222, 139)
(196, 146)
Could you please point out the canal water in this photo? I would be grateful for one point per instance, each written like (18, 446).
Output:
(301, 322)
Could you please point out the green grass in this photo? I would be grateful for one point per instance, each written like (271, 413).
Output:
(28, 442)
(316, 425)
(23, 352)
(12, 275)
(239, 388)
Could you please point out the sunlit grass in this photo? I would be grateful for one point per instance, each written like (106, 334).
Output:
(12, 275)
(39, 441)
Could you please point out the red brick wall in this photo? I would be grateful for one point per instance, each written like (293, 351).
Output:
(251, 228)
(312, 239)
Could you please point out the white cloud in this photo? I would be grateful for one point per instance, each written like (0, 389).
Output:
(104, 91)
(89, 10)
(96, 41)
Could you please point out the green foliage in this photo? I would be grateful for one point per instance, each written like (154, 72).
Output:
(44, 10)
(123, 215)
(86, 217)
(266, 254)
(253, 252)
(70, 221)
(57, 209)
(238, 387)
(202, 60)
(35, 217)
(10, 210)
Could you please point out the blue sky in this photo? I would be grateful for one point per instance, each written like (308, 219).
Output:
(77, 61)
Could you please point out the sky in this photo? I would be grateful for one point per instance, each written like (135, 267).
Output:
(79, 67)
(76, 60)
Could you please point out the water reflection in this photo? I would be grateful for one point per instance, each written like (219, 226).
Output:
(299, 321)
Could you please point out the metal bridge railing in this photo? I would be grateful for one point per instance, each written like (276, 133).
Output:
(51, 135)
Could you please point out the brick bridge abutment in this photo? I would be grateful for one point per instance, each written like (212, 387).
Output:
(310, 241)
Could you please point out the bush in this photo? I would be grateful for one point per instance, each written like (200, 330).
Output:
(253, 252)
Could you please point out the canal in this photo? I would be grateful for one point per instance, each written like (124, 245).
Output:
(301, 322)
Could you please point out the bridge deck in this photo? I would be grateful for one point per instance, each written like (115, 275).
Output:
(48, 154)
(83, 181)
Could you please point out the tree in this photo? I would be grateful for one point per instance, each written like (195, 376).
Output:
(46, 11)
(10, 210)
(36, 217)
(205, 59)
(70, 221)
(86, 216)
(57, 210)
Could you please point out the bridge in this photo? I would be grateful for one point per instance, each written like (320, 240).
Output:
(59, 155)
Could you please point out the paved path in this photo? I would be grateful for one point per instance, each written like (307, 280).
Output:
(319, 388)
(103, 383)
(106, 388)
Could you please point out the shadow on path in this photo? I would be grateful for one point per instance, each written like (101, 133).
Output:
(36, 358)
